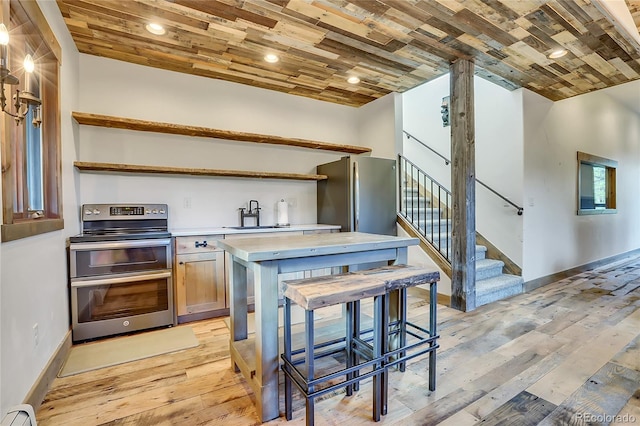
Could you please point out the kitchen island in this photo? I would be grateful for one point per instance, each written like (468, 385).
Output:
(265, 258)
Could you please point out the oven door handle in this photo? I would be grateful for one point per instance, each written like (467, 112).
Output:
(120, 244)
(124, 279)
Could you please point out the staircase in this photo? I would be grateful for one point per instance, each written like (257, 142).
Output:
(425, 207)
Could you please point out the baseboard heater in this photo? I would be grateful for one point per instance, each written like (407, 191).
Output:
(20, 415)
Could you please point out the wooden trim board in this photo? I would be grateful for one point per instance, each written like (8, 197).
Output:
(510, 267)
(542, 281)
(41, 386)
(206, 132)
(137, 168)
(423, 293)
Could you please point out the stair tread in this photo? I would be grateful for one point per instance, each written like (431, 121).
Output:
(488, 263)
(498, 283)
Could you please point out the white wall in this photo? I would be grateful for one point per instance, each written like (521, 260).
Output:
(498, 151)
(555, 237)
(126, 90)
(33, 273)
(379, 126)
(421, 118)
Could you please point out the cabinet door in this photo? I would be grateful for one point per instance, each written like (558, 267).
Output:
(200, 285)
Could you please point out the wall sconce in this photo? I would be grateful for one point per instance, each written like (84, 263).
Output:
(25, 97)
(444, 110)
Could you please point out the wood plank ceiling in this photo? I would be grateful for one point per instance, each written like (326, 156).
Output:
(391, 45)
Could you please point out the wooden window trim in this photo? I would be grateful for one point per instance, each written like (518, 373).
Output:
(14, 228)
(610, 167)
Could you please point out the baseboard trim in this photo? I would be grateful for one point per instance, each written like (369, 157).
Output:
(203, 315)
(442, 299)
(542, 281)
(40, 388)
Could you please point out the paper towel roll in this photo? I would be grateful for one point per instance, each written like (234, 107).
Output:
(283, 213)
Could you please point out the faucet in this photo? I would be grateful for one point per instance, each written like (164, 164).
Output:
(253, 212)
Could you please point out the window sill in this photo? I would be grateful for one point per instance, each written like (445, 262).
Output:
(29, 228)
(585, 212)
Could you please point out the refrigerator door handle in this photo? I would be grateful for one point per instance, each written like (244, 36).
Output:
(356, 197)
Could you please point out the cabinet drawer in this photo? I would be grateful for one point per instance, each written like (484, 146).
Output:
(197, 244)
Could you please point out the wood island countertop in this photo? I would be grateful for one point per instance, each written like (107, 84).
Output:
(286, 247)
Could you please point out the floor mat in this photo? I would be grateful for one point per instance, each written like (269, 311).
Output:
(118, 350)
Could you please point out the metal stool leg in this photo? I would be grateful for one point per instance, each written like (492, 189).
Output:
(348, 345)
(384, 319)
(433, 295)
(309, 358)
(402, 322)
(356, 333)
(288, 405)
(378, 343)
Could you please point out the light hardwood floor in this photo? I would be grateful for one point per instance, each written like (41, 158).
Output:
(554, 356)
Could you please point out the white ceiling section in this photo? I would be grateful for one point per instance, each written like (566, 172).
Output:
(620, 13)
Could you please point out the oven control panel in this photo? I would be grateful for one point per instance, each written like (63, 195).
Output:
(93, 212)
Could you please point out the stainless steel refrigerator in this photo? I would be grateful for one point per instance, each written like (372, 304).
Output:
(359, 194)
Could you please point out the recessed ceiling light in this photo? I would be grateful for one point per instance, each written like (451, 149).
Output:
(156, 29)
(558, 53)
(353, 80)
(271, 58)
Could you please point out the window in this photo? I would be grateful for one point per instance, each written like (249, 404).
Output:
(31, 185)
(596, 184)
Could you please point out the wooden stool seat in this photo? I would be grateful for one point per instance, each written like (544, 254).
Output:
(329, 290)
(318, 292)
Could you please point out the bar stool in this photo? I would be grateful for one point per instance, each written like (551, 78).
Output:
(389, 346)
(398, 279)
(318, 292)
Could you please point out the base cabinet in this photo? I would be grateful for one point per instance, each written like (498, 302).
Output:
(199, 278)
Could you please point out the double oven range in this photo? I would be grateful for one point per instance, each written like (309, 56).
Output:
(120, 270)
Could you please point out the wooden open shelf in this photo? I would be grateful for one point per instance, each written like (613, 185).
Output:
(205, 132)
(134, 168)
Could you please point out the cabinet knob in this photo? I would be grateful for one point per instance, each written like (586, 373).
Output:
(201, 244)
(181, 263)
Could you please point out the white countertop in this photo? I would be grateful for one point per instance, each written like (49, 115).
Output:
(187, 232)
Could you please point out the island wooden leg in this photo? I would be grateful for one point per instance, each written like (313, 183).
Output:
(267, 351)
(238, 304)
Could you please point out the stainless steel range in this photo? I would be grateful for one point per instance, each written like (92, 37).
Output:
(120, 270)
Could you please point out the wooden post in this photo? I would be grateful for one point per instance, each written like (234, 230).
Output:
(463, 181)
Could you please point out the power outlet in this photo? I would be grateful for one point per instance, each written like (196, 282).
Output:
(187, 202)
(36, 337)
